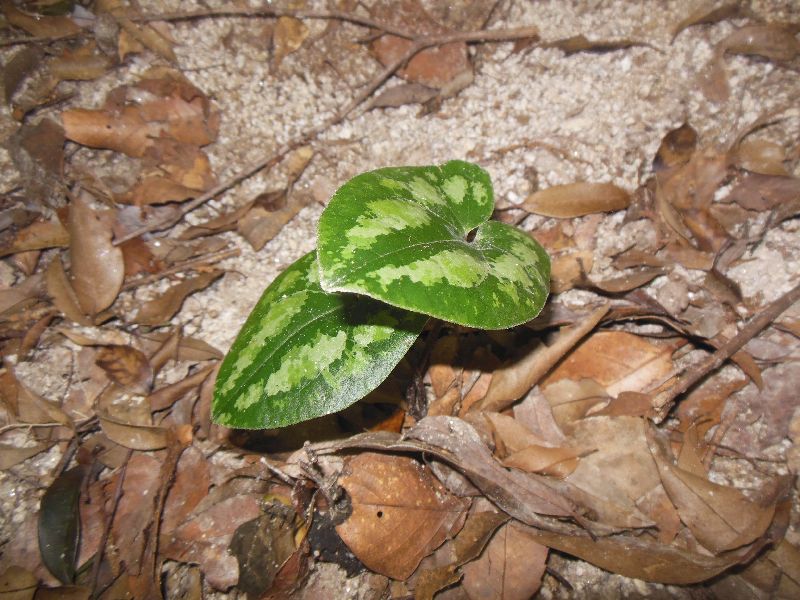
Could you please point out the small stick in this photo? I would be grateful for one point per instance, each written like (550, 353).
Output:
(419, 43)
(206, 259)
(663, 400)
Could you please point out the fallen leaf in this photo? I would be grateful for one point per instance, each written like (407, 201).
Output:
(127, 366)
(467, 546)
(556, 462)
(720, 518)
(260, 225)
(764, 192)
(287, 37)
(161, 309)
(433, 67)
(772, 41)
(37, 236)
(577, 199)
(510, 568)
(617, 360)
(572, 399)
(60, 290)
(676, 148)
(568, 269)
(13, 454)
(59, 523)
(18, 68)
(401, 513)
(512, 382)
(192, 480)
(97, 266)
(624, 283)
(39, 25)
(761, 156)
(17, 584)
(580, 43)
(204, 537)
(707, 13)
(400, 95)
(136, 437)
(166, 396)
(125, 131)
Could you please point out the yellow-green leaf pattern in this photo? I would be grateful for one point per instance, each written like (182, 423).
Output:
(401, 235)
(304, 353)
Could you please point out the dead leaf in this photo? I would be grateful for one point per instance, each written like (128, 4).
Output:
(60, 290)
(13, 454)
(510, 568)
(125, 131)
(617, 360)
(166, 396)
(37, 236)
(401, 513)
(287, 37)
(512, 382)
(721, 518)
(204, 537)
(568, 269)
(577, 199)
(17, 584)
(136, 437)
(188, 348)
(634, 278)
(400, 95)
(676, 148)
(260, 225)
(18, 68)
(127, 366)
(761, 156)
(764, 192)
(707, 13)
(556, 462)
(772, 41)
(580, 43)
(192, 480)
(434, 67)
(39, 25)
(97, 266)
(21, 294)
(160, 310)
(571, 400)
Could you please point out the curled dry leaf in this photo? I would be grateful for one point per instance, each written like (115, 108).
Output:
(401, 513)
(37, 236)
(136, 437)
(676, 148)
(60, 290)
(556, 462)
(761, 156)
(259, 225)
(161, 309)
(40, 26)
(97, 266)
(510, 568)
(577, 199)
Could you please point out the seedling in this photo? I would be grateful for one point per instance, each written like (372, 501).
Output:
(395, 247)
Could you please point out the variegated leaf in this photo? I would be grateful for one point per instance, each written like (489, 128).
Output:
(402, 235)
(304, 353)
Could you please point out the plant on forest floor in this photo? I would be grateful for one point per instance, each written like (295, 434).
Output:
(395, 247)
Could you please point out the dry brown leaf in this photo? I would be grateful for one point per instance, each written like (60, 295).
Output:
(676, 148)
(287, 37)
(136, 437)
(777, 573)
(618, 361)
(467, 546)
(259, 225)
(512, 382)
(509, 433)
(764, 192)
(18, 68)
(687, 256)
(37, 236)
(21, 294)
(571, 400)
(192, 480)
(166, 396)
(442, 371)
(761, 156)
(510, 568)
(204, 537)
(97, 266)
(401, 513)
(568, 269)
(576, 200)
(704, 404)
(125, 131)
(60, 290)
(707, 13)
(580, 43)
(772, 41)
(156, 190)
(556, 462)
(188, 348)
(161, 309)
(13, 454)
(720, 518)
(39, 25)
(535, 413)
(126, 366)
(625, 283)
(400, 95)
(434, 67)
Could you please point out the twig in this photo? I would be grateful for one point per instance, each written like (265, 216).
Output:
(44, 38)
(419, 43)
(663, 400)
(11, 426)
(107, 525)
(206, 259)
(273, 12)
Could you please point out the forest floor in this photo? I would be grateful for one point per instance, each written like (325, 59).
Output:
(158, 173)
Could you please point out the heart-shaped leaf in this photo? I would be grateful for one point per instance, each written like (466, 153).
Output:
(403, 235)
(304, 353)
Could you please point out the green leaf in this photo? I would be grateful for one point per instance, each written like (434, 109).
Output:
(400, 235)
(304, 353)
(60, 524)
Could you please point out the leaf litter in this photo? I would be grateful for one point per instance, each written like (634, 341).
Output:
(565, 435)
